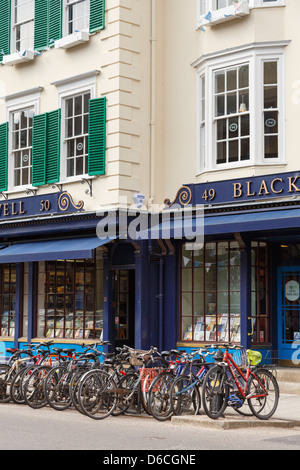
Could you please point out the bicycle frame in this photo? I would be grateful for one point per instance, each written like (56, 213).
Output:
(228, 360)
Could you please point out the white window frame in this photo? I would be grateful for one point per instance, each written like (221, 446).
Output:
(66, 6)
(13, 105)
(67, 90)
(14, 29)
(255, 55)
(227, 13)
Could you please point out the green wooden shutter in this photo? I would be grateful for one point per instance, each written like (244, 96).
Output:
(5, 9)
(41, 26)
(55, 20)
(97, 15)
(39, 149)
(53, 146)
(97, 136)
(3, 156)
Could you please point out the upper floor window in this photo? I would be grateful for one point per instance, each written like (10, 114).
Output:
(241, 108)
(23, 25)
(78, 15)
(218, 11)
(76, 117)
(29, 25)
(22, 146)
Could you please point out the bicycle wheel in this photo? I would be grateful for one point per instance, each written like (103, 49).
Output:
(98, 394)
(74, 387)
(56, 388)
(185, 396)
(159, 402)
(34, 387)
(128, 391)
(263, 393)
(215, 392)
(16, 394)
(6, 376)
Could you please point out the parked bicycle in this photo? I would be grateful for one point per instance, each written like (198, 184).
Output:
(230, 384)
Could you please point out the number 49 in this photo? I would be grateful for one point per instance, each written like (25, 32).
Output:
(209, 195)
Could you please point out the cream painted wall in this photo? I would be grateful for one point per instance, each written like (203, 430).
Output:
(121, 52)
(183, 44)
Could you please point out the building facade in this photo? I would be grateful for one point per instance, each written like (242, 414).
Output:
(157, 105)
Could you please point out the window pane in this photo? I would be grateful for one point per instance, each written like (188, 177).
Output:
(231, 103)
(271, 146)
(270, 97)
(221, 152)
(245, 149)
(233, 150)
(221, 129)
(244, 76)
(220, 82)
(270, 73)
(231, 80)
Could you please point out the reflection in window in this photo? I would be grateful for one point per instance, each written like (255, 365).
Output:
(70, 303)
(7, 299)
(210, 293)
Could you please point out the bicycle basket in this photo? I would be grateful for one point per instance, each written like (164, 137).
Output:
(240, 357)
(136, 358)
(147, 377)
(255, 357)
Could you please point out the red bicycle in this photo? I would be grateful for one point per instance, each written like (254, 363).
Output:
(230, 384)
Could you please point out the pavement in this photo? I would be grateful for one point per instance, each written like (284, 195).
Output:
(287, 415)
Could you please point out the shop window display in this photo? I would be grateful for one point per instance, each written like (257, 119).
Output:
(7, 299)
(70, 301)
(210, 292)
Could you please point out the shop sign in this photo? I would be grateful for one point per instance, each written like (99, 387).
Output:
(292, 291)
(54, 203)
(243, 189)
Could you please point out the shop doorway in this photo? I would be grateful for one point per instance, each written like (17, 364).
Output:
(288, 311)
(124, 306)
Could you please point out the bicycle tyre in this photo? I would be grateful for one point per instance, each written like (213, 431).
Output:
(6, 377)
(74, 387)
(56, 390)
(128, 384)
(262, 406)
(185, 396)
(215, 391)
(16, 394)
(159, 402)
(97, 394)
(34, 387)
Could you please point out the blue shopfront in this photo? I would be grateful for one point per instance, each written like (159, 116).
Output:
(242, 285)
(59, 281)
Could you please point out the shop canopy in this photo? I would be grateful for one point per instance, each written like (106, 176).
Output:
(218, 224)
(76, 248)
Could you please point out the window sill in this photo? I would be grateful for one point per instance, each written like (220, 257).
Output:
(225, 14)
(18, 57)
(72, 40)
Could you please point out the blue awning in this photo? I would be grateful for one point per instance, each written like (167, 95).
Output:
(217, 224)
(77, 248)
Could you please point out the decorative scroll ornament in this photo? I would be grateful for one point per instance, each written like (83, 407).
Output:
(183, 197)
(65, 200)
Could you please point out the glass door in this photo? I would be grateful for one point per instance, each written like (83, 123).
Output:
(288, 310)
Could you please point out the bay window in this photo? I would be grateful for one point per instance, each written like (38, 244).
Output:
(241, 107)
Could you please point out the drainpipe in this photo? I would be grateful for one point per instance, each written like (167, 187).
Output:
(160, 295)
(152, 101)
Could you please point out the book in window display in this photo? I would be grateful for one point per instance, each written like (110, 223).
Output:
(199, 329)
(235, 329)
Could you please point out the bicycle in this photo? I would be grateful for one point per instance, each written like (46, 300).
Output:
(8, 371)
(159, 392)
(227, 383)
(185, 394)
(60, 383)
(102, 393)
